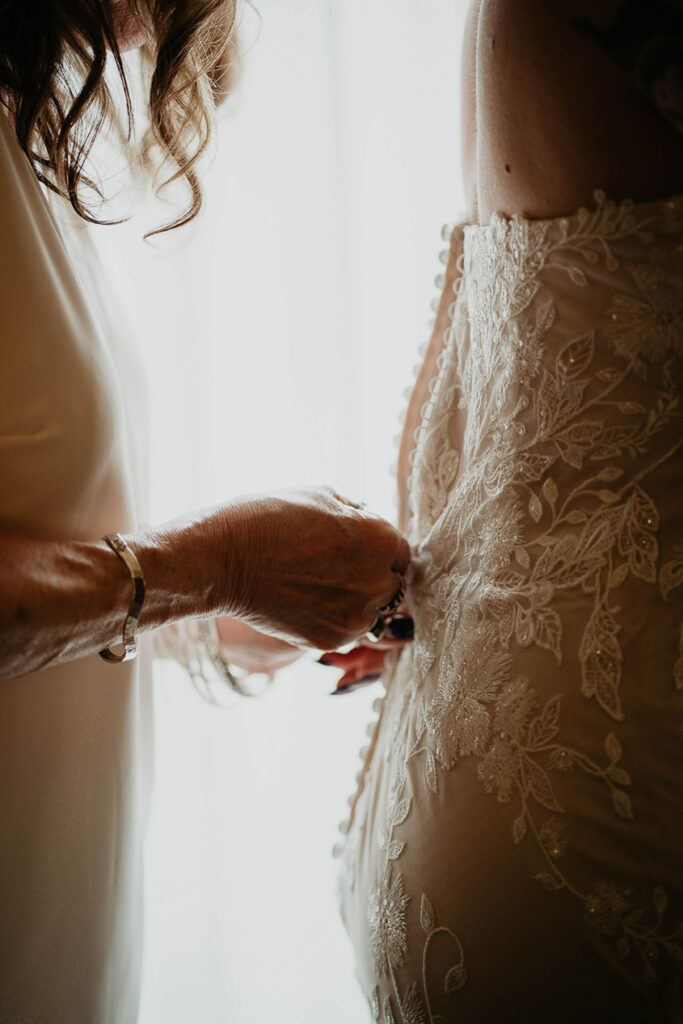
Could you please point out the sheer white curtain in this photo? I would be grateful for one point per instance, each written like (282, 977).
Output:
(280, 334)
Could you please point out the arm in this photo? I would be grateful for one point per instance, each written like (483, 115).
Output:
(60, 601)
(305, 565)
(57, 602)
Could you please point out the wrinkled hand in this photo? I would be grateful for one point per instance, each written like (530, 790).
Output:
(252, 651)
(309, 566)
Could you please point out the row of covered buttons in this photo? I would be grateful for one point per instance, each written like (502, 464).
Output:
(439, 281)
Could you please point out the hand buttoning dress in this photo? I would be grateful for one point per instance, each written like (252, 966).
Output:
(515, 849)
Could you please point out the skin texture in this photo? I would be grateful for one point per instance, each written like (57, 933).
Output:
(555, 118)
(305, 565)
(129, 32)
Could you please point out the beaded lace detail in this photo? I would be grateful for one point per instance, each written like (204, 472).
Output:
(538, 527)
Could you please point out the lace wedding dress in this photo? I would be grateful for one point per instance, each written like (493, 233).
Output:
(515, 848)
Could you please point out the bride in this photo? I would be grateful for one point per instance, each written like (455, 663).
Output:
(515, 849)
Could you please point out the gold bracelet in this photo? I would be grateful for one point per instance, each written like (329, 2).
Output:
(120, 548)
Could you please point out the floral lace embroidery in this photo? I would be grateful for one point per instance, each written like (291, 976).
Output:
(540, 501)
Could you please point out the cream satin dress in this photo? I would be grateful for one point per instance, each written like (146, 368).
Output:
(515, 848)
(75, 740)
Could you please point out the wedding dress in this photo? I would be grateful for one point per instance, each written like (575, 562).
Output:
(515, 847)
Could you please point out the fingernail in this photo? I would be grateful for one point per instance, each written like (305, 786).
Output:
(324, 660)
(349, 687)
(368, 679)
(401, 628)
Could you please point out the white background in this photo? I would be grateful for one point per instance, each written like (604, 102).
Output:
(280, 333)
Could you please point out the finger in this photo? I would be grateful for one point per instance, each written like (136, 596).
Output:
(351, 682)
(401, 559)
(367, 668)
(397, 598)
(397, 584)
(360, 659)
(337, 659)
(357, 675)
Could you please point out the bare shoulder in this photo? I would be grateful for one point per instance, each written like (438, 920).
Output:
(556, 118)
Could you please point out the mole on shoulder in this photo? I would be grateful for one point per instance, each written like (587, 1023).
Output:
(507, 168)
(20, 613)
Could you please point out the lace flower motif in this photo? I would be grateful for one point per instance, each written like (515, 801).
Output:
(514, 708)
(499, 533)
(472, 669)
(497, 768)
(606, 906)
(551, 836)
(412, 1008)
(649, 326)
(387, 921)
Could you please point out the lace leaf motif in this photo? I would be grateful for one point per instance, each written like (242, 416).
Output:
(617, 537)
(501, 536)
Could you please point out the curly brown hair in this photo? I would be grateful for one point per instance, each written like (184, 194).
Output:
(53, 56)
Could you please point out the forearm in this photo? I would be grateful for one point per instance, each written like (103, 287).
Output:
(61, 601)
(306, 566)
